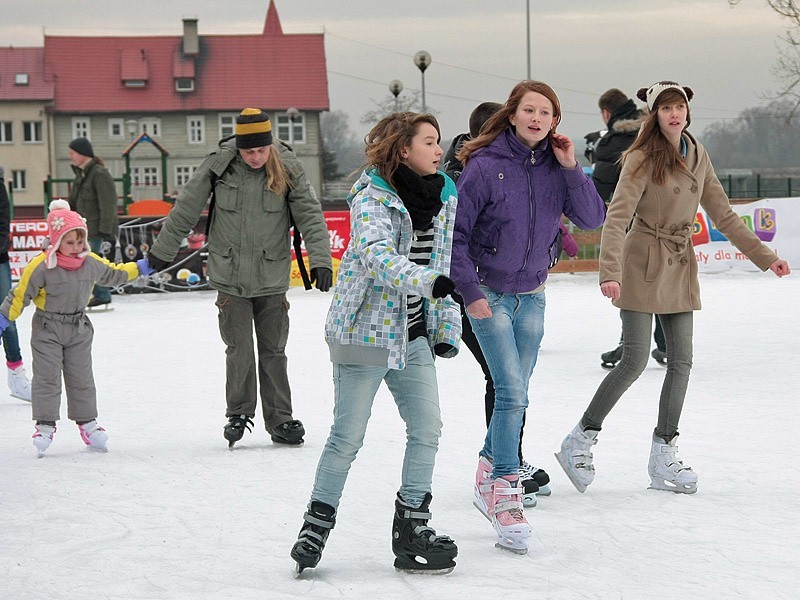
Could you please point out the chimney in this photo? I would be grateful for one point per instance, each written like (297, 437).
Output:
(191, 42)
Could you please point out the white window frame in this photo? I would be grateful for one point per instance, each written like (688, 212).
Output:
(184, 88)
(6, 127)
(19, 180)
(151, 126)
(81, 127)
(288, 131)
(226, 129)
(145, 176)
(118, 123)
(183, 173)
(196, 129)
(21, 79)
(31, 134)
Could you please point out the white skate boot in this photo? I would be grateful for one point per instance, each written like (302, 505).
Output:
(18, 383)
(576, 456)
(43, 437)
(667, 471)
(500, 501)
(94, 436)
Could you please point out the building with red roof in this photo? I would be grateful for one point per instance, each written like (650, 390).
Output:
(185, 91)
(26, 95)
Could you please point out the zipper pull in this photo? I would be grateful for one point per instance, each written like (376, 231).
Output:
(533, 158)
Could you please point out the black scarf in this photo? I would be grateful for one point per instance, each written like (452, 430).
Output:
(420, 195)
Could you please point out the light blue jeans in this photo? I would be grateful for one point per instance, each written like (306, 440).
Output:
(510, 341)
(10, 335)
(416, 394)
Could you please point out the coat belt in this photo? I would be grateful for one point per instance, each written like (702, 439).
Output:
(674, 241)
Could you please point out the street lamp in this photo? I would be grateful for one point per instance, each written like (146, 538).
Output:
(423, 60)
(396, 86)
(292, 113)
(528, 22)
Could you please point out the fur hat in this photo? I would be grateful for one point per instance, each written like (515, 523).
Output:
(61, 220)
(651, 94)
(82, 146)
(253, 129)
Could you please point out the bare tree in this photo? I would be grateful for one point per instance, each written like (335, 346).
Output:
(410, 101)
(787, 65)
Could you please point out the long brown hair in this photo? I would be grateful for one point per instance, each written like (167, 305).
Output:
(501, 120)
(661, 154)
(278, 180)
(387, 139)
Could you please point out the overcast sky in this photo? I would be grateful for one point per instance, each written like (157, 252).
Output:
(580, 47)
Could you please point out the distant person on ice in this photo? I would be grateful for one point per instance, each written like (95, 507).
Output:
(59, 282)
(258, 184)
(651, 269)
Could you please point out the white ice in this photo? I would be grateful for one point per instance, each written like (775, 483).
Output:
(170, 513)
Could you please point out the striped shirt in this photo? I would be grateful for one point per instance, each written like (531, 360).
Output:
(421, 247)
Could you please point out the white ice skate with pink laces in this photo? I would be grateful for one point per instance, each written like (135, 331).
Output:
(94, 436)
(43, 437)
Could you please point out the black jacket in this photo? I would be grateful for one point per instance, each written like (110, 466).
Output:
(452, 166)
(5, 222)
(623, 127)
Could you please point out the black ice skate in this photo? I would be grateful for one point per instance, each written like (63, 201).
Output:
(417, 547)
(660, 356)
(290, 433)
(234, 429)
(611, 358)
(317, 524)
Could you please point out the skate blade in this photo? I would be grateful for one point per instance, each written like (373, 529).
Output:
(544, 491)
(95, 450)
(28, 400)
(608, 366)
(512, 549)
(418, 571)
(298, 570)
(581, 487)
(529, 500)
(482, 510)
(663, 486)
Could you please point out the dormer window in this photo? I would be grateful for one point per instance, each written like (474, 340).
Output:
(184, 84)
(21, 79)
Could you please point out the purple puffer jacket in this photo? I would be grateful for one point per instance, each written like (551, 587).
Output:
(510, 202)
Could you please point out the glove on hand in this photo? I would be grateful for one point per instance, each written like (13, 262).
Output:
(156, 263)
(144, 267)
(443, 286)
(322, 278)
(4, 323)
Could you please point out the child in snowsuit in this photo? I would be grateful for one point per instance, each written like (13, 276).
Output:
(59, 282)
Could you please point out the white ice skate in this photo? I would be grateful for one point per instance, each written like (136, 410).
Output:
(667, 471)
(500, 501)
(576, 456)
(18, 383)
(94, 436)
(43, 437)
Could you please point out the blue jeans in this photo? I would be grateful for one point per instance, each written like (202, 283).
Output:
(100, 292)
(10, 336)
(416, 394)
(510, 341)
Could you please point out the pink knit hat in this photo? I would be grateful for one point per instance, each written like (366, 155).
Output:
(62, 220)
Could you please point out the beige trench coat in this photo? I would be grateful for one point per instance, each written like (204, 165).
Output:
(655, 263)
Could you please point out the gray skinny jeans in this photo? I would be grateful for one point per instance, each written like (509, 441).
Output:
(636, 329)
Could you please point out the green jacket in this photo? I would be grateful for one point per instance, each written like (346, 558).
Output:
(94, 197)
(249, 247)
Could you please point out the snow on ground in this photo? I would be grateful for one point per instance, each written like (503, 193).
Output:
(170, 513)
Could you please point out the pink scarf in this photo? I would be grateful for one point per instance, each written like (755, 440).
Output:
(70, 263)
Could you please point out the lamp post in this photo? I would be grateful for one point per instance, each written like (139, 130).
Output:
(528, 23)
(423, 60)
(396, 86)
(292, 113)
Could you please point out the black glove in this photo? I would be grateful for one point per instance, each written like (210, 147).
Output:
(441, 349)
(443, 286)
(322, 277)
(156, 263)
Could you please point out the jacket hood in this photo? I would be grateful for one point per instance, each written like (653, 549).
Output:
(508, 146)
(627, 118)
